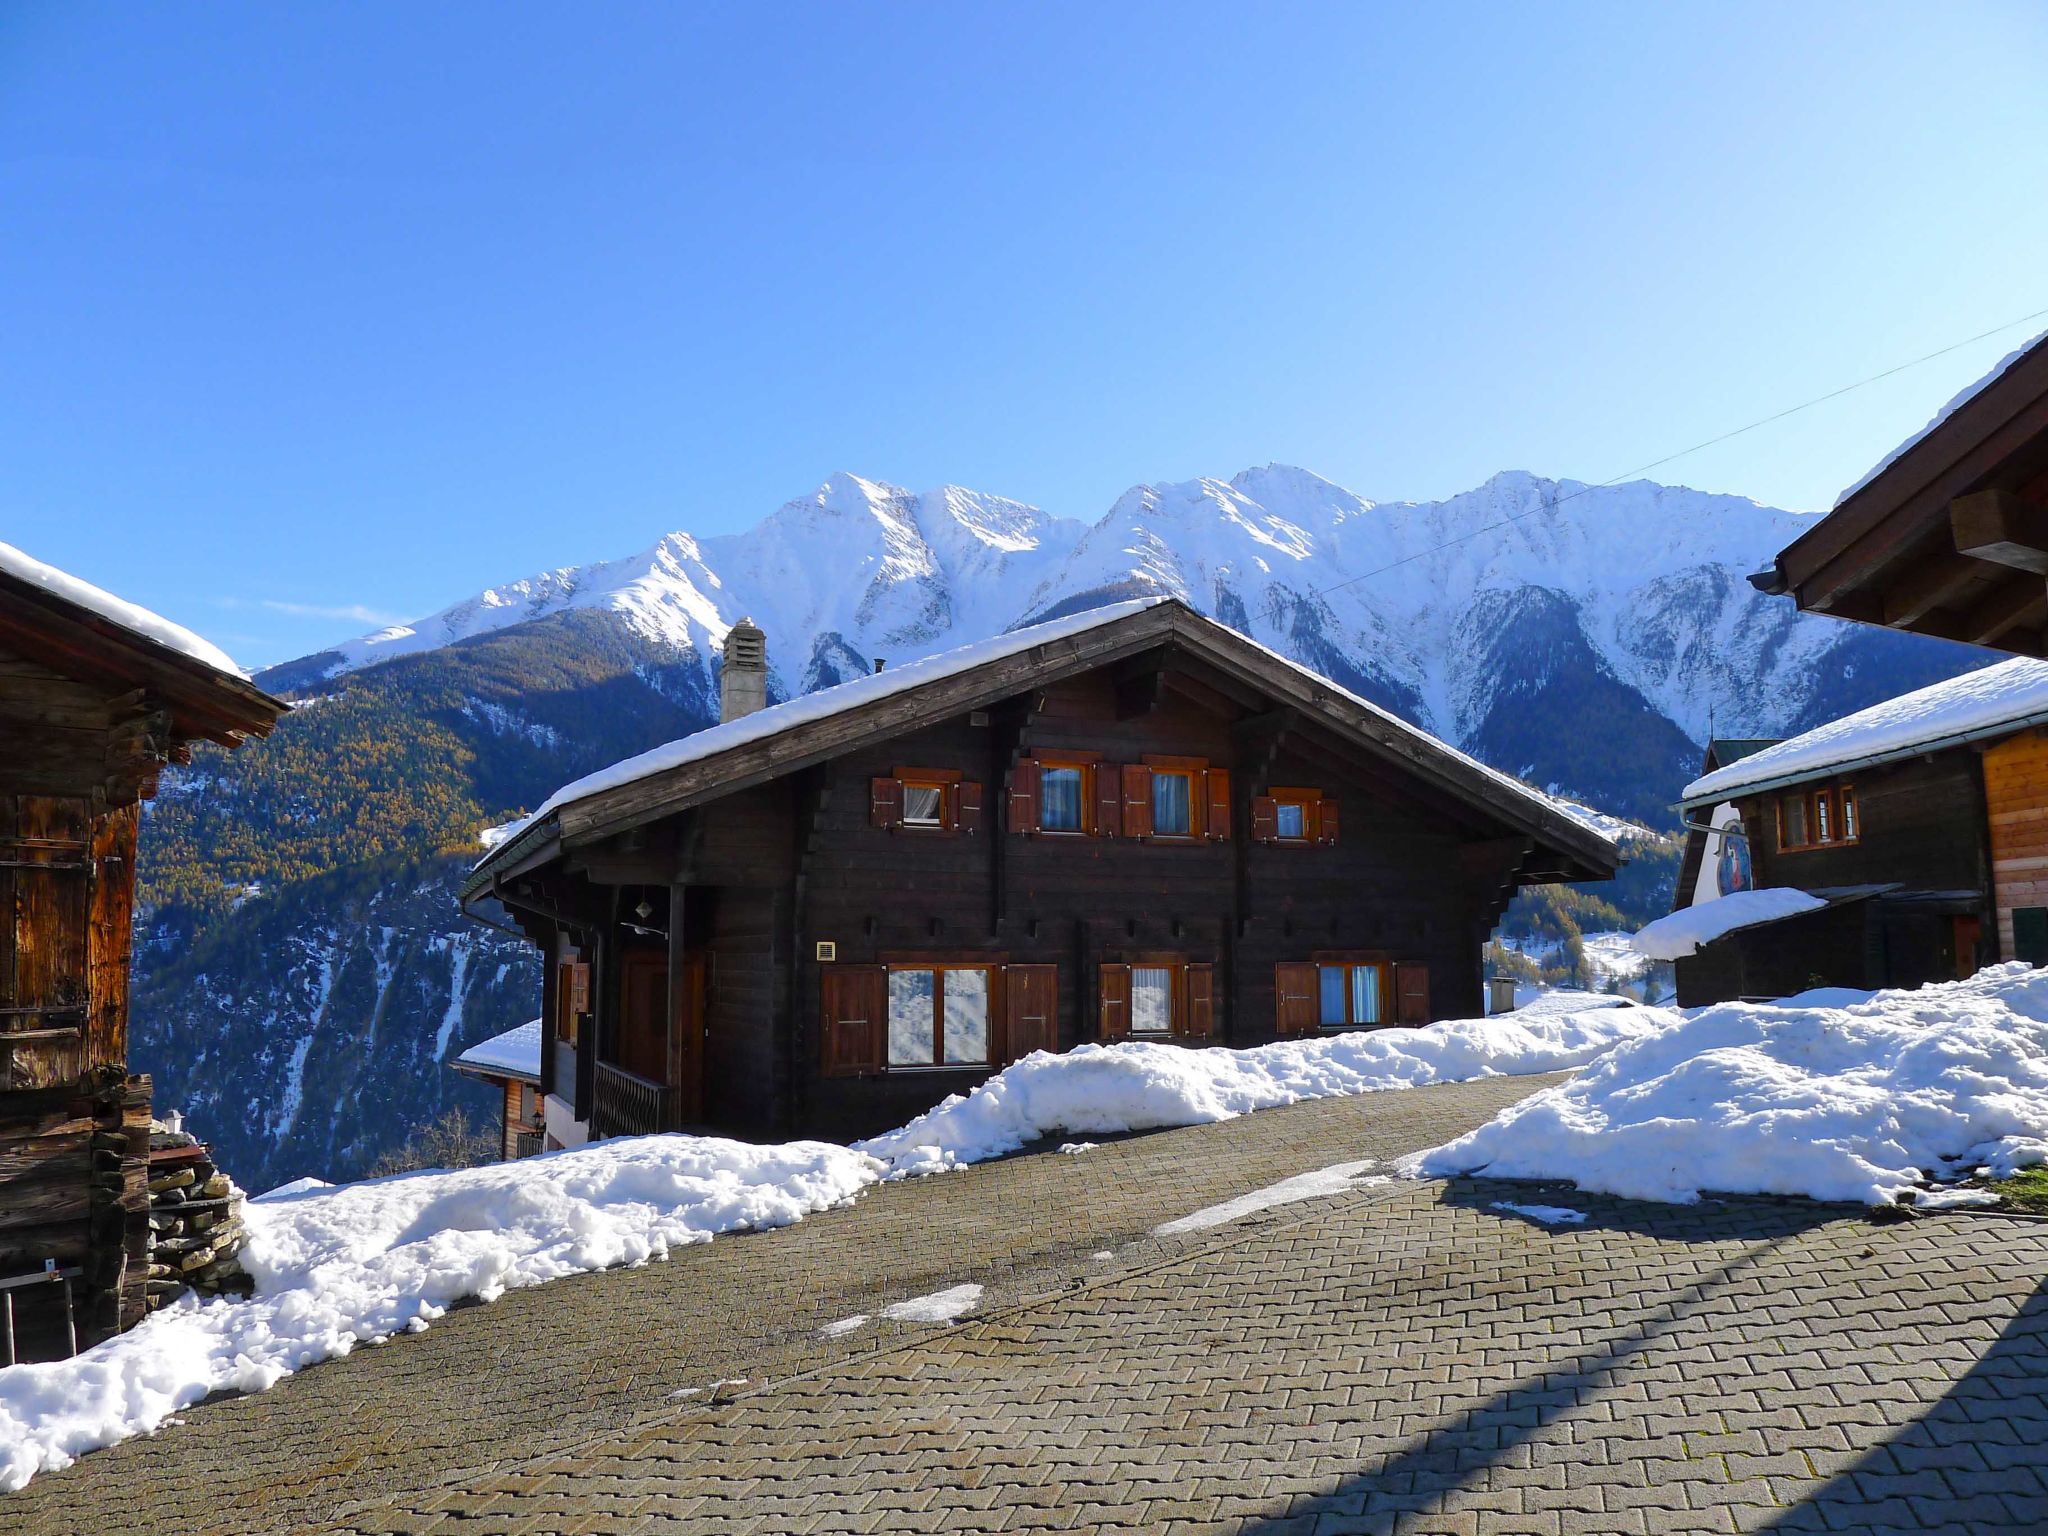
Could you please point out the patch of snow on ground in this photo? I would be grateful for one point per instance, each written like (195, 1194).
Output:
(1549, 1215)
(337, 1267)
(1140, 1086)
(1953, 1199)
(1682, 932)
(939, 1307)
(840, 1327)
(1834, 1095)
(1071, 1147)
(1315, 1185)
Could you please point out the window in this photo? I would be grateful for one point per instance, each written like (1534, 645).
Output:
(1301, 817)
(1059, 799)
(1151, 1000)
(938, 1016)
(925, 801)
(1170, 804)
(1350, 995)
(1818, 818)
(923, 805)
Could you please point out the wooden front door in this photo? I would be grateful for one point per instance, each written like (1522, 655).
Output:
(643, 1014)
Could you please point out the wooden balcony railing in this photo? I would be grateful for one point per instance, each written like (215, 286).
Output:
(626, 1104)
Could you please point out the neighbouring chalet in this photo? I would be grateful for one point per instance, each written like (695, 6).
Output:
(1132, 823)
(96, 696)
(1949, 536)
(510, 1063)
(1716, 858)
(1920, 824)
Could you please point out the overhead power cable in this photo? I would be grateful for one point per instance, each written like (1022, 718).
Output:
(1670, 458)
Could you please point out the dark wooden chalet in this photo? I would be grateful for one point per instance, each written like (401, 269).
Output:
(1922, 823)
(510, 1063)
(1950, 536)
(95, 698)
(1134, 823)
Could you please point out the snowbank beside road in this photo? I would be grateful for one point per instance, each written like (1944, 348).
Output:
(1138, 1086)
(1840, 1096)
(341, 1266)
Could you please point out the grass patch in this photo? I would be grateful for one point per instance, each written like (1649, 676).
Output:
(2026, 1190)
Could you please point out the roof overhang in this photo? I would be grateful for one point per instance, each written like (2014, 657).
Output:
(1583, 853)
(1950, 539)
(204, 702)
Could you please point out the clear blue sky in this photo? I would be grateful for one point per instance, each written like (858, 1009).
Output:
(354, 309)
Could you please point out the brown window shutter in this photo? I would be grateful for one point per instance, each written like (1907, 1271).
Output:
(1113, 1002)
(885, 802)
(1200, 1020)
(1326, 821)
(854, 1001)
(1217, 824)
(1031, 993)
(966, 799)
(1295, 996)
(579, 986)
(1265, 819)
(1411, 993)
(1109, 802)
(1137, 782)
(1024, 796)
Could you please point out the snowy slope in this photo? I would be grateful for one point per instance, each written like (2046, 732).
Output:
(1517, 621)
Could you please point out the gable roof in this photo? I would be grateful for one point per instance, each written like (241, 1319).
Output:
(515, 1054)
(81, 631)
(1945, 537)
(1978, 706)
(816, 726)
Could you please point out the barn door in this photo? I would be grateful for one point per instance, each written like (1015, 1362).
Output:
(45, 902)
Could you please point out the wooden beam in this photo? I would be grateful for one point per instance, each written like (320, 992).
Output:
(1998, 527)
(1928, 585)
(2020, 601)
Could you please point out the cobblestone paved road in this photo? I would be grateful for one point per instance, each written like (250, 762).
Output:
(1405, 1357)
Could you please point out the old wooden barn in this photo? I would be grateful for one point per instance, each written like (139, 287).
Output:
(96, 697)
(822, 917)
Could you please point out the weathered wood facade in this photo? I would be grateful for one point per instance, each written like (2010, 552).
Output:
(1142, 826)
(90, 712)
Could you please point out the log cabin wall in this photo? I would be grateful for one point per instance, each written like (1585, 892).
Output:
(2016, 810)
(1921, 825)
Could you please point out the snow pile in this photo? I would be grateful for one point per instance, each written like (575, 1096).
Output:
(342, 1266)
(1682, 932)
(1991, 701)
(1138, 1086)
(1836, 1095)
(128, 615)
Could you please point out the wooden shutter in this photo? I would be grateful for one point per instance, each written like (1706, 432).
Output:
(967, 806)
(1326, 821)
(1295, 1007)
(1137, 782)
(579, 986)
(1216, 825)
(1024, 796)
(1411, 992)
(1113, 1002)
(1199, 1022)
(1109, 803)
(854, 1010)
(885, 802)
(1032, 995)
(1265, 819)
(44, 843)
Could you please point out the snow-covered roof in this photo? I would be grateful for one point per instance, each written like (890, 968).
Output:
(128, 615)
(515, 1053)
(1954, 405)
(1680, 933)
(855, 693)
(1995, 701)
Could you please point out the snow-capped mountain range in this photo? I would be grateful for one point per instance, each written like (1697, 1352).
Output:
(1463, 615)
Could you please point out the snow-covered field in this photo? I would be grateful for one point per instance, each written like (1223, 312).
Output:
(340, 1266)
(1833, 1094)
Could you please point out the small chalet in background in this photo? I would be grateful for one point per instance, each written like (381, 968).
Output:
(511, 1063)
(1716, 861)
(96, 696)
(823, 917)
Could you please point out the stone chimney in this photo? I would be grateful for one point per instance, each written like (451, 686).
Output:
(743, 680)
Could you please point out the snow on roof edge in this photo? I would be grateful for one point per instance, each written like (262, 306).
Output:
(132, 617)
(1996, 700)
(1955, 404)
(855, 692)
(515, 1052)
